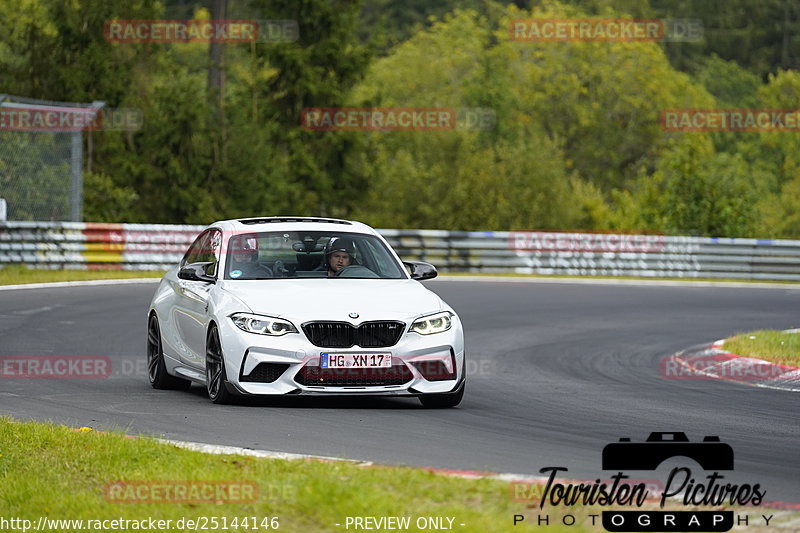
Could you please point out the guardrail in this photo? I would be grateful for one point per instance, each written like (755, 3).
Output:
(72, 245)
(94, 246)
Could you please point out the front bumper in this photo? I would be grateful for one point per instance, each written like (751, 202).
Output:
(422, 364)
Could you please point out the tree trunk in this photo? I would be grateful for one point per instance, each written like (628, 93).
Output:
(216, 79)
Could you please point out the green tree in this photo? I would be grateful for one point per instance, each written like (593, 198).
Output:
(696, 191)
(106, 201)
(760, 36)
(582, 119)
(778, 153)
(55, 49)
(318, 70)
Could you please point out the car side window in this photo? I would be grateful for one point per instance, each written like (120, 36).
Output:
(206, 248)
(379, 262)
(194, 250)
(211, 251)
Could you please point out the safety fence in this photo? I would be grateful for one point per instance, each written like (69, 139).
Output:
(71, 245)
(41, 156)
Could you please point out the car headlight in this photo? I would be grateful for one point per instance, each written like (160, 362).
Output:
(263, 325)
(430, 324)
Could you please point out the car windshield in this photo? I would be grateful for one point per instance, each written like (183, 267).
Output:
(309, 254)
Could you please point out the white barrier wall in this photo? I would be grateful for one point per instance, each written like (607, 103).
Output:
(159, 247)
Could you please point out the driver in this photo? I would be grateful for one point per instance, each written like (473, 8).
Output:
(339, 254)
(244, 258)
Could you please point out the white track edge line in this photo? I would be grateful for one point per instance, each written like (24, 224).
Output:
(217, 449)
(445, 277)
(87, 283)
(641, 282)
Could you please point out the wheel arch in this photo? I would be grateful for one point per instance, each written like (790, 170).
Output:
(212, 324)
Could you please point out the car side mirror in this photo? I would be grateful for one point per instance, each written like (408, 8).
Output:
(420, 270)
(196, 272)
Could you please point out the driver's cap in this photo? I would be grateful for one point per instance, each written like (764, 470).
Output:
(340, 244)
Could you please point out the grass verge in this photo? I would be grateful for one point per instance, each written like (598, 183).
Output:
(17, 274)
(769, 345)
(63, 474)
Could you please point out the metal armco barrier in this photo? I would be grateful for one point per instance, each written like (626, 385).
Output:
(93, 246)
(595, 254)
(69, 245)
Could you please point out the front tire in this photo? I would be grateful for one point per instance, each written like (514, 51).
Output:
(445, 400)
(216, 377)
(156, 368)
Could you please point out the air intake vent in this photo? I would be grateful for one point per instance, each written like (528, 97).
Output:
(435, 370)
(265, 373)
(354, 377)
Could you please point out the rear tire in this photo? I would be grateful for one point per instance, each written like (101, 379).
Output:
(156, 368)
(443, 401)
(216, 377)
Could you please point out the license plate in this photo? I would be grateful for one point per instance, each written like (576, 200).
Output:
(355, 360)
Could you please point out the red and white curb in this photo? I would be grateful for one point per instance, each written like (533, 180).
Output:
(713, 362)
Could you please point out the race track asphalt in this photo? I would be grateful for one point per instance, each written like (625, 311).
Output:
(557, 371)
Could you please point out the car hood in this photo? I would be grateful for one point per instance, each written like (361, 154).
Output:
(335, 299)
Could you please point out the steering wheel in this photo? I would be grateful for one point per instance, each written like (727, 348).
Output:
(356, 271)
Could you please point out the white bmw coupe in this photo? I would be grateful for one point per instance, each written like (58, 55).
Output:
(291, 305)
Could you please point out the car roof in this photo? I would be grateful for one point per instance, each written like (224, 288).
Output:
(292, 223)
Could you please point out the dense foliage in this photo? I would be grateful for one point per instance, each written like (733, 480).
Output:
(577, 144)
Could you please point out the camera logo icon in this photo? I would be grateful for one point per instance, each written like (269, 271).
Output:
(710, 454)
